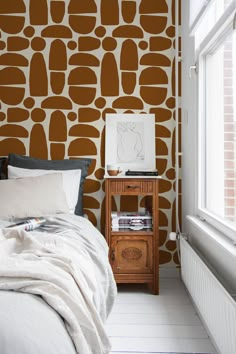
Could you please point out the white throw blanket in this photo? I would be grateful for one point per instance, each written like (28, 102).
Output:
(70, 270)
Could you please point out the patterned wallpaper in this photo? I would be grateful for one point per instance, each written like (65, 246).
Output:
(66, 63)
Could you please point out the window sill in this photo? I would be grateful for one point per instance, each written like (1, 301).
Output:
(212, 232)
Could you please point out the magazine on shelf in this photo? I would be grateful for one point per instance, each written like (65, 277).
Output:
(130, 215)
(134, 228)
(123, 222)
(28, 225)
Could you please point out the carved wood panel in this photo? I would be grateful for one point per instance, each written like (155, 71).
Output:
(131, 254)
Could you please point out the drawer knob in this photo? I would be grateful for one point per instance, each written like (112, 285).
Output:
(132, 186)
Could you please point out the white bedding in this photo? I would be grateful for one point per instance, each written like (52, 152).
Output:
(66, 263)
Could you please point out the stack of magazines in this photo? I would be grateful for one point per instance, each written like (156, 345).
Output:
(130, 220)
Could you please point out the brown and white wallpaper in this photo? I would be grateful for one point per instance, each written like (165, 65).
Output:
(66, 63)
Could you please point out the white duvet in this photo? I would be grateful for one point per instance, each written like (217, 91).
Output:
(66, 263)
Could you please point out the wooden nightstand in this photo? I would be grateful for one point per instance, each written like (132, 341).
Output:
(134, 254)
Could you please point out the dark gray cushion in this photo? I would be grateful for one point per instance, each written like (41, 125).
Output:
(3, 168)
(33, 163)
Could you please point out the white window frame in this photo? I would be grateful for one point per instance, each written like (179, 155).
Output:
(224, 26)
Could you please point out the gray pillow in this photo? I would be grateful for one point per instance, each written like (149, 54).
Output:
(3, 169)
(34, 163)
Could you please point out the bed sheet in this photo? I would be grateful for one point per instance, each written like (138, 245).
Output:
(57, 288)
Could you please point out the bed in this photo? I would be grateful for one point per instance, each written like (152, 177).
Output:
(56, 285)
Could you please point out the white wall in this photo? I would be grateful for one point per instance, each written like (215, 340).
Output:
(189, 124)
(220, 253)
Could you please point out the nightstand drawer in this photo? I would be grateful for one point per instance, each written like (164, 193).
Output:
(131, 187)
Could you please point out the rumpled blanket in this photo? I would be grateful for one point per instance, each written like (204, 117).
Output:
(66, 263)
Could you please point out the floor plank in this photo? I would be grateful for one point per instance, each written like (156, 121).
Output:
(154, 345)
(154, 331)
(152, 319)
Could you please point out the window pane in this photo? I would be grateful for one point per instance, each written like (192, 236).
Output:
(220, 130)
(214, 10)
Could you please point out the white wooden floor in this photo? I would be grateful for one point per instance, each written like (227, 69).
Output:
(167, 323)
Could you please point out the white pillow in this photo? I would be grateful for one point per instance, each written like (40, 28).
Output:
(71, 181)
(32, 196)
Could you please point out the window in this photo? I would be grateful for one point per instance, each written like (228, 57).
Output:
(208, 17)
(217, 125)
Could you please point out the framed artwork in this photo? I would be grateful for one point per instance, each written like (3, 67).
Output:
(130, 141)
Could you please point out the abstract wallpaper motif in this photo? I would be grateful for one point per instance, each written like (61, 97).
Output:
(65, 64)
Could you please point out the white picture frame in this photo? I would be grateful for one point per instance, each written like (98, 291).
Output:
(130, 141)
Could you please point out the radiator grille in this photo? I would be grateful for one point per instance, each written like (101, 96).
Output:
(216, 306)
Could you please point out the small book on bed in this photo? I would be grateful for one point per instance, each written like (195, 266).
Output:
(28, 225)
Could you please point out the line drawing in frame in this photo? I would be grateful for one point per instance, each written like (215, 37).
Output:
(130, 141)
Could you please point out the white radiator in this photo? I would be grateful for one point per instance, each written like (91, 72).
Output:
(216, 306)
